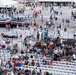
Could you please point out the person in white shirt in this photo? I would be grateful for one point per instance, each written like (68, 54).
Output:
(74, 56)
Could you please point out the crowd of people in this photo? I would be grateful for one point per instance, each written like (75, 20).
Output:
(46, 49)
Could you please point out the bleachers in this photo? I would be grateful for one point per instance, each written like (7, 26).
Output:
(55, 70)
(58, 67)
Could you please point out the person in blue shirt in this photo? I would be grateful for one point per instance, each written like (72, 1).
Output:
(19, 64)
(26, 57)
(52, 8)
(38, 64)
(9, 48)
(23, 71)
(46, 33)
(9, 27)
(10, 68)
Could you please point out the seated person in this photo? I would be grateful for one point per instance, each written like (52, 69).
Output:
(18, 18)
(26, 62)
(26, 57)
(38, 64)
(32, 63)
(19, 64)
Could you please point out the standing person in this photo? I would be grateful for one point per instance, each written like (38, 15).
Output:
(6, 26)
(42, 36)
(17, 26)
(61, 12)
(60, 26)
(35, 25)
(72, 13)
(63, 21)
(12, 13)
(9, 27)
(52, 8)
(65, 29)
(40, 11)
(58, 31)
(42, 18)
(46, 33)
(38, 35)
(36, 14)
(9, 13)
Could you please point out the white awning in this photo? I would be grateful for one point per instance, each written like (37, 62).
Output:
(7, 3)
(56, 0)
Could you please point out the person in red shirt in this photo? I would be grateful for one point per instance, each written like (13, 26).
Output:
(3, 46)
(35, 24)
(15, 63)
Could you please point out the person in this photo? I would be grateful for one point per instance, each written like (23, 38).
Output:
(19, 73)
(35, 25)
(26, 57)
(52, 8)
(60, 26)
(42, 36)
(38, 35)
(34, 72)
(65, 29)
(32, 63)
(9, 27)
(26, 42)
(59, 31)
(9, 13)
(6, 26)
(15, 63)
(60, 12)
(36, 14)
(74, 56)
(12, 73)
(40, 72)
(47, 73)
(63, 20)
(46, 33)
(38, 64)
(23, 71)
(72, 13)
(19, 64)
(42, 18)
(26, 62)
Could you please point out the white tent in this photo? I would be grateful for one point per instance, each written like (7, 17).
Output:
(57, 0)
(7, 3)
